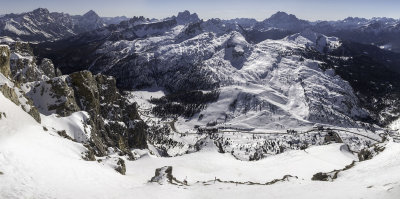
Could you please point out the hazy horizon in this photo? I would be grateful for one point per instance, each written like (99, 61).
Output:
(306, 9)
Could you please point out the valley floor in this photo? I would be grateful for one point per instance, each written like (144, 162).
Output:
(35, 163)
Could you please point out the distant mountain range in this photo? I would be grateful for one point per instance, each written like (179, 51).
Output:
(382, 32)
(142, 53)
(41, 25)
(279, 74)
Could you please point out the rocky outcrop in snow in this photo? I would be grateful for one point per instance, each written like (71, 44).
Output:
(24, 67)
(164, 175)
(5, 60)
(114, 120)
(11, 90)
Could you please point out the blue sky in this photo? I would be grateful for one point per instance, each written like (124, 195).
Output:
(259, 9)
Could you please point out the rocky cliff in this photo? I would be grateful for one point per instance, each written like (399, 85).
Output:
(5, 60)
(41, 89)
(114, 120)
(11, 90)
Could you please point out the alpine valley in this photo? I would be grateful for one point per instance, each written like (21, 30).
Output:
(180, 107)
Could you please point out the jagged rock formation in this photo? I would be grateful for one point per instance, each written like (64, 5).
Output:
(9, 93)
(48, 68)
(114, 120)
(121, 168)
(164, 175)
(63, 99)
(282, 20)
(41, 25)
(11, 90)
(370, 152)
(5, 60)
(114, 20)
(24, 67)
(244, 22)
(186, 17)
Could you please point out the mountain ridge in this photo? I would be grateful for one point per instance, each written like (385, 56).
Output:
(42, 25)
(280, 85)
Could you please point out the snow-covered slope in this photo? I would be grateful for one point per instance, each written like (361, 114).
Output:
(395, 125)
(38, 163)
(315, 40)
(268, 81)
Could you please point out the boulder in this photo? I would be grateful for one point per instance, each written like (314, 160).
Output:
(163, 175)
(9, 93)
(121, 168)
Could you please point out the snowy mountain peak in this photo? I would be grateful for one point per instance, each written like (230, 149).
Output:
(354, 19)
(282, 20)
(315, 40)
(41, 11)
(187, 17)
(282, 16)
(91, 14)
(41, 25)
(244, 22)
(384, 19)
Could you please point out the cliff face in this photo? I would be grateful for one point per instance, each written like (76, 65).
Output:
(25, 67)
(5, 60)
(11, 90)
(42, 89)
(114, 121)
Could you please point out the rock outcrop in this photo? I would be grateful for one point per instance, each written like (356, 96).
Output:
(5, 60)
(164, 175)
(121, 168)
(11, 90)
(114, 120)
(9, 93)
(331, 176)
(24, 67)
(48, 68)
